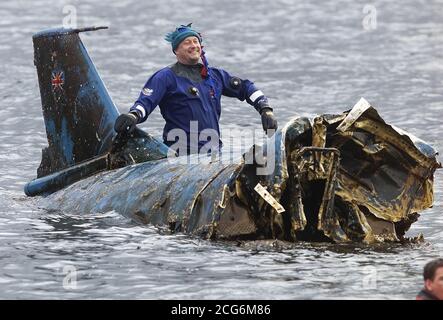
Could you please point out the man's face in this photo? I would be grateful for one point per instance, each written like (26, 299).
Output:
(188, 51)
(435, 286)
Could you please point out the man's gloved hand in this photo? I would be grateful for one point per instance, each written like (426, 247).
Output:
(126, 123)
(268, 119)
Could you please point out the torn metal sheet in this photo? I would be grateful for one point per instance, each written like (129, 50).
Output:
(269, 198)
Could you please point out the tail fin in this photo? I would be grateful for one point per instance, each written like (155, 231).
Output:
(79, 113)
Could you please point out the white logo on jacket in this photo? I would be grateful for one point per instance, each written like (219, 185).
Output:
(147, 91)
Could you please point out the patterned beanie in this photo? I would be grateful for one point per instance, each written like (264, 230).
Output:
(180, 34)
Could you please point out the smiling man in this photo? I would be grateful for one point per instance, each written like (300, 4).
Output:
(189, 93)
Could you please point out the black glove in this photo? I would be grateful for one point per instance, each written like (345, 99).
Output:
(268, 119)
(126, 123)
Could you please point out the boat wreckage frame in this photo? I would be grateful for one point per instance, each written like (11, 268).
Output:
(340, 178)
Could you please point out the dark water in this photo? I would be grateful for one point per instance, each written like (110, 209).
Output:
(308, 58)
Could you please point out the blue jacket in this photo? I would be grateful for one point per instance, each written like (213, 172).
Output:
(184, 97)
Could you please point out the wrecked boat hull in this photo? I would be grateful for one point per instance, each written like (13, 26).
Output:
(346, 177)
(354, 184)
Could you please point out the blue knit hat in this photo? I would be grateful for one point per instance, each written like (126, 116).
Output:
(180, 34)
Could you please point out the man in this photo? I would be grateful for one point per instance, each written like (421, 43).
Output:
(433, 276)
(189, 92)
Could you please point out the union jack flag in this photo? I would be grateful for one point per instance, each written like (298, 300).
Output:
(57, 80)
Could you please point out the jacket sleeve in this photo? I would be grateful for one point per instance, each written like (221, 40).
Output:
(151, 95)
(242, 89)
